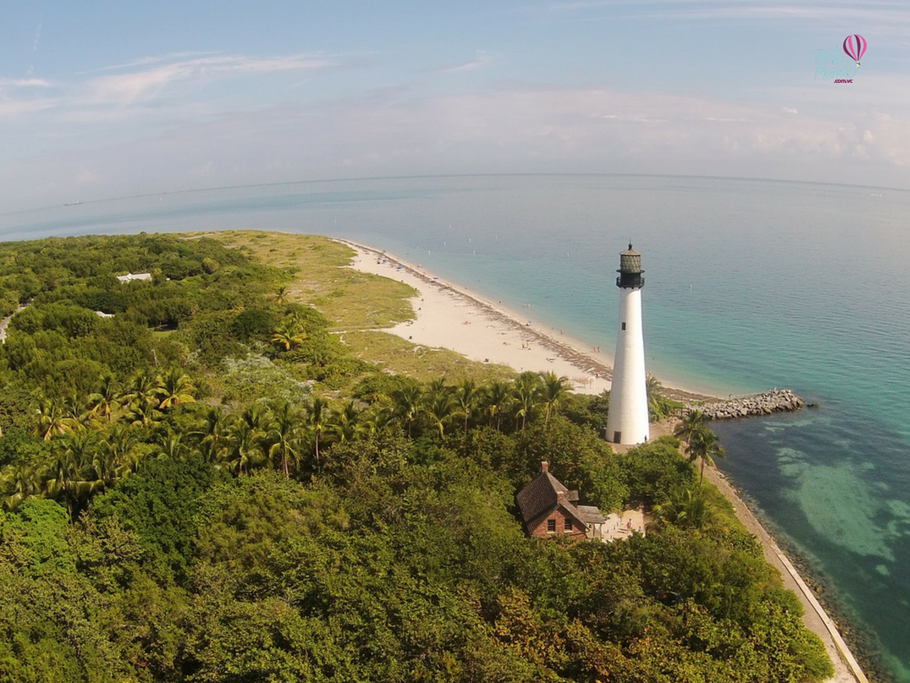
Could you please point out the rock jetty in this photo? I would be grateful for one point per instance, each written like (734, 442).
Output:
(775, 401)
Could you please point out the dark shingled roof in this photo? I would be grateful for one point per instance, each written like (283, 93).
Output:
(539, 498)
(591, 514)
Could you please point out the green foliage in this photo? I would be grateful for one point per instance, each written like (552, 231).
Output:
(380, 387)
(304, 534)
(159, 503)
(654, 471)
(254, 323)
(589, 410)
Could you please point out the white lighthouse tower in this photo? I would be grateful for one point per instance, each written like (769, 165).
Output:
(627, 421)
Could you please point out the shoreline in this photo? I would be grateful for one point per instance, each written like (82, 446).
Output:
(589, 371)
(442, 324)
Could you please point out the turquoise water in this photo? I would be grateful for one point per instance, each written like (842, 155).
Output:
(749, 285)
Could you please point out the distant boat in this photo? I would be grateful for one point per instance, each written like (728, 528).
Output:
(72, 204)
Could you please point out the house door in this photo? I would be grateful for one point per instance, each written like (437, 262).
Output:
(617, 437)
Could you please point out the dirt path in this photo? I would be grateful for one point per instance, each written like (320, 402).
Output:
(5, 322)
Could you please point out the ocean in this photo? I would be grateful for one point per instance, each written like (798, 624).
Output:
(749, 285)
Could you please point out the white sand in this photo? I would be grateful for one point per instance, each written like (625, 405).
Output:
(454, 318)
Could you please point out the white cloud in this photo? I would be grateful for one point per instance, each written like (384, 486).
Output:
(481, 60)
(143, 84)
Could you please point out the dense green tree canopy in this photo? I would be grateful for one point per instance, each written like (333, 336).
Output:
(207, 486)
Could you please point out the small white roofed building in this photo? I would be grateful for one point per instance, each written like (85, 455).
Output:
(134, 276)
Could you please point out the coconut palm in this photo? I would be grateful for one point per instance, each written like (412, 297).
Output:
(242, 451)
(284, 433)
(65, 474)
(526, 391)
(377, 419)
(175, 388)
(213, 427)
(53, 419)
(143, 415)
(654, 389)
(172, 445)
(19, 482)
(553, 391)
(104, 402)
(467, 397)
(118, 441)
(407, 403)
(498, 397)
(704, 445)
(691, 509)
(143, 391)
(346, 422)
(289, 334)
(318, 422)
(439, 406)
(691, 422)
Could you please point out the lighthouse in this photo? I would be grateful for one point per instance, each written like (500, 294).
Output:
(627, 421)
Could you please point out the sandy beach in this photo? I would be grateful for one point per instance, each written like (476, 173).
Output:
(453, 317)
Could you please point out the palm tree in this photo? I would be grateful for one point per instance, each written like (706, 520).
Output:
(19, 482)
(213, 427)
(106, 400)
(439, 407)
(143, 390)
(65, 479)
(118, 441)
(704, 445)
(283, 434)
(242, 445)
(318, 419)
(407, 402)
(53, 419)
(498, 397)
(289, 334)
(281, 294)
(256, 416)
(175, 388)
(653, 389)
(172, 445)
(553, 391)
(142, 414)
(347, 422)
(377, 419)
(467, 397)
(692, 421)
(526, 391)
(691, 509)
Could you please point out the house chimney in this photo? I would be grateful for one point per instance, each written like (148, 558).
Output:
(544, 466)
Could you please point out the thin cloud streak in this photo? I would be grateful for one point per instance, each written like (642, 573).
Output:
(145, 84)
(145, 81)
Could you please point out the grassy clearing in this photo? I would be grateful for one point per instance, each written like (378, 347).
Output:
(400, 356)
(317, 275)
(358, 303)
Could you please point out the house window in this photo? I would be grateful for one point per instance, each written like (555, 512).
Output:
(551, 526)
(624, 326)
(568, 526)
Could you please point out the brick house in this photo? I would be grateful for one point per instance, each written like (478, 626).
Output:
(548, 509)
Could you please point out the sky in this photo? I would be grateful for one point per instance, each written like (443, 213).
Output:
(103, 99)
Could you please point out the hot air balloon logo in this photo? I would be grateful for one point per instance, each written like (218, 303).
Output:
(855, 47)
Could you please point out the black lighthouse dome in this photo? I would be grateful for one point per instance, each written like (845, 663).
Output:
(630, 269)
